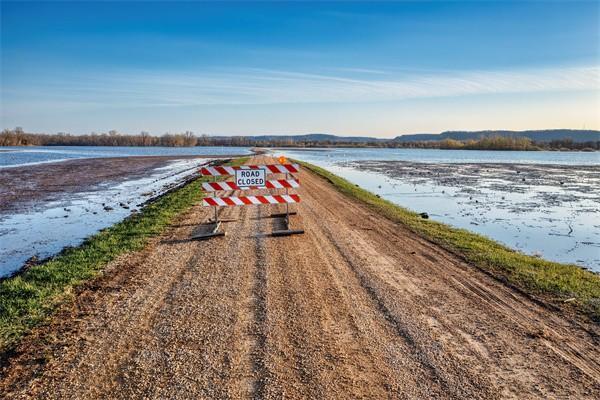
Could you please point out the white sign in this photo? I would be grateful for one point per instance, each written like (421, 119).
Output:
(250, 177)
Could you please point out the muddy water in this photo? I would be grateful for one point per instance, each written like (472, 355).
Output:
(43, 229)
(541, 203)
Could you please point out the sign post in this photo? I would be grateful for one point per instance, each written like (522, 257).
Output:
(287, 231)
(287, 206)
(216, 211)
(214, 226)
(282, 160)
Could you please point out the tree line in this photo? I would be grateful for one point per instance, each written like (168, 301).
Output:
(17, 137)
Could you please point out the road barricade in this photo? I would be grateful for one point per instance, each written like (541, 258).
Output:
(250, 200)
(251, 177)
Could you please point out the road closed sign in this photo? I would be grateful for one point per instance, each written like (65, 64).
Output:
(250, 177)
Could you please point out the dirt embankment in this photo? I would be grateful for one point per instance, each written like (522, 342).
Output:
(357, 307)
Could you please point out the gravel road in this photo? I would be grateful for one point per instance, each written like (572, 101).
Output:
(357, 307)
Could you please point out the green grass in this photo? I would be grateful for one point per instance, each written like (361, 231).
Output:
(30, 297)
(554, 281)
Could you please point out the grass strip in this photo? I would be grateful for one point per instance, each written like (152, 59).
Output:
(555, 281)
(29, 298)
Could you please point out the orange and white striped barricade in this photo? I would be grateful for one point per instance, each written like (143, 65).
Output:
(250, 200)
(250, 177)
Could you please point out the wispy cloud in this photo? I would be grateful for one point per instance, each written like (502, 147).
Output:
(263, 86)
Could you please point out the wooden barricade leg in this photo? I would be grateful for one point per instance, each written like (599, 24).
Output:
(287, 231)
(212, 229)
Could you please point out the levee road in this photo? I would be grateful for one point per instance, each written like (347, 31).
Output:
(356, 307)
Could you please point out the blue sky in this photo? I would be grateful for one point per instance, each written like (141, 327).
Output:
(380, 69)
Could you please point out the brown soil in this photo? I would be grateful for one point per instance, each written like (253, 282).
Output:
(357, 307)
(22, 185)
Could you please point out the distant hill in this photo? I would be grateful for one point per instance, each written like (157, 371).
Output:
(311, 137)
(578, 136)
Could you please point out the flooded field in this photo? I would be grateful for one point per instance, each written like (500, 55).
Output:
(541, 203)
(41, 227)
(56, 196)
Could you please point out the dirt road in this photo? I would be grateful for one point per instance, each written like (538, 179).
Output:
(357, 307)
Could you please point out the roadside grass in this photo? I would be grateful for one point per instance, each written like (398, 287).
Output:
(555, 281)
(29, 298)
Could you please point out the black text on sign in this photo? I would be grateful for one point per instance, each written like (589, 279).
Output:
(250, 177)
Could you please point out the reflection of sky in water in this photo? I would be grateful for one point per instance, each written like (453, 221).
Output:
(519, 218)
(50, 227)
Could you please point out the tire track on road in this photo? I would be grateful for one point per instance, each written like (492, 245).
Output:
(259, 292)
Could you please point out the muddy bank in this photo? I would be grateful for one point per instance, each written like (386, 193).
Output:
(550, 185)
(22, 187)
